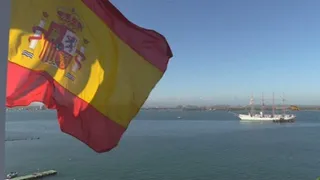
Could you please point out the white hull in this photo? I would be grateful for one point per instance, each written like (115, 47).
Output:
(258, 117)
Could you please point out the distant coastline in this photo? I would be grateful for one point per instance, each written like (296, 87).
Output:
(231, 108)
(190, 108)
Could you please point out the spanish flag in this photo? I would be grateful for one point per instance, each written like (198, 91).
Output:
(87, 61)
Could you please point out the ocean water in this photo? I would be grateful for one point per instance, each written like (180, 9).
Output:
(160, 146)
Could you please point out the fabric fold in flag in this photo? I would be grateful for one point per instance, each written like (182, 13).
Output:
(87, 61)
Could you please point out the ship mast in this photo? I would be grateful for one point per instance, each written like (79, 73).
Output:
(252, 105)
(284, 108)
(262, 104)
(273, 104)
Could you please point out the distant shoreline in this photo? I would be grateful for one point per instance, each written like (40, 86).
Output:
(229, 109)
(190, 108)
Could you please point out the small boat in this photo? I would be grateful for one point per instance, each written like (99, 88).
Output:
(12, 175)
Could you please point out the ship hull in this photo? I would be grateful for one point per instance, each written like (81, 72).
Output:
(246, 117)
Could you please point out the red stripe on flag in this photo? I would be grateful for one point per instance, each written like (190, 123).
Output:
(76, 117)
(149, 44)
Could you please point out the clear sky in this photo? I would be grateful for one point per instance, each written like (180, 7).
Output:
(226, 50)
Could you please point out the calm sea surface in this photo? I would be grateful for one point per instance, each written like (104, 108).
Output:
(159, 146)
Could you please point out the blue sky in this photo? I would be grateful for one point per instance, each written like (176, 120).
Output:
(226, 50)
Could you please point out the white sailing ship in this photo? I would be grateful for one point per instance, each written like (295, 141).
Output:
(252, 116)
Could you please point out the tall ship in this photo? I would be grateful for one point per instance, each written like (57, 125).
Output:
(262, 116)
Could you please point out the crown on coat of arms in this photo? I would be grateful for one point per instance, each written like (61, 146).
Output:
(69, 18)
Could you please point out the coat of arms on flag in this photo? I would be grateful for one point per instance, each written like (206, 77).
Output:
(62, 40)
